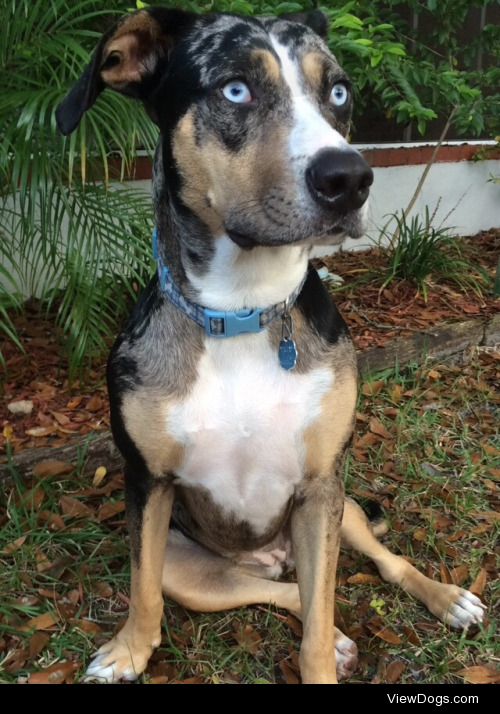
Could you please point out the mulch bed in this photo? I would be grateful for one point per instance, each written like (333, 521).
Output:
(57, 411)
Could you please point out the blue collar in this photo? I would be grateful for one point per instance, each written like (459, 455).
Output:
(217, 323)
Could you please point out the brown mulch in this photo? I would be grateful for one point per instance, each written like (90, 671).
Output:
(376, 317)
(62, 410)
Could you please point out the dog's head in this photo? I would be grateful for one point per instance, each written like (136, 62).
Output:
(253, 114)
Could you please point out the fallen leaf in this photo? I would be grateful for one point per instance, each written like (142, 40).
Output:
(39, 431)
(55, 674)
(61, 418)
(480, 674)
(445, 574)
(14, 545)
(376, 427)
(479, 583)
(21, 407)
(95, 403)
(393, 671)
(371, 389)
(87, 626)
(51, 467)
(53, 520)
(109, 510)
(459, 574)
(74, 403)
(38, 642)
(73, 508)
(248, 639)
(384, 633)
(290, 675)
(99, 475)
(363, 579)
(42, 622)
(295, 625)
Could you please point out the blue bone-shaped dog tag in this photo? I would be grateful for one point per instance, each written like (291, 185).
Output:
(287, 354)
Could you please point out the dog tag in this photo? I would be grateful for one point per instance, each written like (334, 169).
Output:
(287, 352)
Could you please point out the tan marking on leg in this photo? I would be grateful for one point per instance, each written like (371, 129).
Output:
(327, 436)
(127, 654)
(206, 582)
(439, 598)
(145, 418)
(316, 540)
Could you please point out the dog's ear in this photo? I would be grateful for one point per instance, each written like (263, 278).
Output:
(315, 19)
(126, 59)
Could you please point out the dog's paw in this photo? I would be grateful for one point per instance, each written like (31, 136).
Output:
(123, 657)
(346, 655)
(464, 610)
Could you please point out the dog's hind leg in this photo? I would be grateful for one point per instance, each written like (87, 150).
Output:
(205, 582)
(451, 604)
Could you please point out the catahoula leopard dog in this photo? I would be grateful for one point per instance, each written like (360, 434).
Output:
(233, 386)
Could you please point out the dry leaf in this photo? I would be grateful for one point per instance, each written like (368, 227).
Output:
(61, 418)
(56, 674)
(39, 431)
(376, 427)
(393, 671)
(479, 583)
(363, 579)
(20, 407)
(370, 389)
(50, 467)
(38, 642)
(109, 510)
(42, 622)
(14, 545)
(95, 403)
(53, 520)
(445, 574)
(99, 476)
(384, 633)
(296, 625)
(87, 626)
(73, 508)
(460, 574)
(248, 639)
(480, 674)
(290, 675)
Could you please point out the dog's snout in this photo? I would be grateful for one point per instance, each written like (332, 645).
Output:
(339, 180)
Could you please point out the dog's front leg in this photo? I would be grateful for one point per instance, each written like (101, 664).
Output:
(149, 506)
(316, 521)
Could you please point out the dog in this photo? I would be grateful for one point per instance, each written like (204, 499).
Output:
(233, 386)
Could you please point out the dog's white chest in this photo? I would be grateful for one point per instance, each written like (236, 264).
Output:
(242, 427)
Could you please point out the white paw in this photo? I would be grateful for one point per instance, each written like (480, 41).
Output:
(346, 656)
(467, 610)
(121, 658)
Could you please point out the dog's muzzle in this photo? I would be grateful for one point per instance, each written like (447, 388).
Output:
(339, 180)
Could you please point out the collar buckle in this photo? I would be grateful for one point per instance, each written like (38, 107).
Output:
(231, 324)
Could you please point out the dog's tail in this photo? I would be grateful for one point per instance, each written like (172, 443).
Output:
(376, 517)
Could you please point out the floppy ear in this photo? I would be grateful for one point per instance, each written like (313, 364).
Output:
(315, 19)
(126, 60)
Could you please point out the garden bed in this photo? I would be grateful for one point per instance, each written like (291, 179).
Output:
(389, 326)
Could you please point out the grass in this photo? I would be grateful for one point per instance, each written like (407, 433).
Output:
(434, 468)
(419, 252)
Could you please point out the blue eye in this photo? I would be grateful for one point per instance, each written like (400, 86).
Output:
(339, 95)
(237, 92)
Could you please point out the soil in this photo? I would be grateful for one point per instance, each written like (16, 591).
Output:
(57, 411)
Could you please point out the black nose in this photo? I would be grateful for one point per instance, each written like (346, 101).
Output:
(339, 180)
